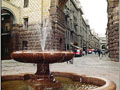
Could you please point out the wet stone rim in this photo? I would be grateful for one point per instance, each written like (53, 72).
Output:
(102, 82)
(42, 57)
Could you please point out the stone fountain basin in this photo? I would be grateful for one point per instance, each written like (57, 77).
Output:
(42, 56)
(103, 83)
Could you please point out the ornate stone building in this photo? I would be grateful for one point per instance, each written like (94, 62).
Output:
(113, 29)
(24, 20)
(77, 28)
(94, 40)
(73, 16)
(84, 33)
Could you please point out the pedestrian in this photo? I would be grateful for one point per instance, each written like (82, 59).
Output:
(95, 51)
(86, 51)
(99, 52)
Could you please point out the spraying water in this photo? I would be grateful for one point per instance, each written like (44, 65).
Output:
(45, 30)
(44, 33)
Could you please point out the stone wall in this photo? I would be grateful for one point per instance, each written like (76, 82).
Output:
(18, 35)
(31, 36)
(113, 29)
(58, 24)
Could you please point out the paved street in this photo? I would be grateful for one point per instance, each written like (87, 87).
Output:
(90, 65)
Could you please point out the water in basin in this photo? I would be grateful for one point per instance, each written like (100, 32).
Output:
(66, 84)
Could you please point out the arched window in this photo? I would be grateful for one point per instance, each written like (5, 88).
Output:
(7, 20)
(103, 47)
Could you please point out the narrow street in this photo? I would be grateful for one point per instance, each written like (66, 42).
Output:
(90, 65)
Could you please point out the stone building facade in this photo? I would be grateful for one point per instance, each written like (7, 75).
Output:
(78, 32)
(23, 21)
(73, 15)
(77, 28)
(94, 40)
(113, 29)
(89, 39)
(84, 32)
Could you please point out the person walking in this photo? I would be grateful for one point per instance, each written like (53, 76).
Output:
(95, 51)
(86, 51)
(99, 52)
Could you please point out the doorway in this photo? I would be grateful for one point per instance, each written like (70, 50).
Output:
(6, 26)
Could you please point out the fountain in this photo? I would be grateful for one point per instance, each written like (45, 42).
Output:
(43, 59)
(43, 79)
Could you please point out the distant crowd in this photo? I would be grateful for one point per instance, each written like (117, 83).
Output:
(81, 52)
(101, 52)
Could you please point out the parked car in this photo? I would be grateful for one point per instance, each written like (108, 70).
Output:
(89, 51)
(78, 52)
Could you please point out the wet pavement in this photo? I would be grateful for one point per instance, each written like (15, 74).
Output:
(90, 65)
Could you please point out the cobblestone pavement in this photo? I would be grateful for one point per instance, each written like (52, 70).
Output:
(90, 65)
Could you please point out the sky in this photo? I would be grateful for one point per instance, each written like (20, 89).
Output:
(96, 13)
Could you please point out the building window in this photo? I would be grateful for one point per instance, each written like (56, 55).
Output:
(24, 45)
(26, 3)
(25, 23)
(7, 27)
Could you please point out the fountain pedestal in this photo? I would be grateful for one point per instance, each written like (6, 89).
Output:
(42, 69)
(42, 74)
(42, 79)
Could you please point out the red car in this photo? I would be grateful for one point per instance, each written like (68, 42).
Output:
(78, 52)
(89, 51)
